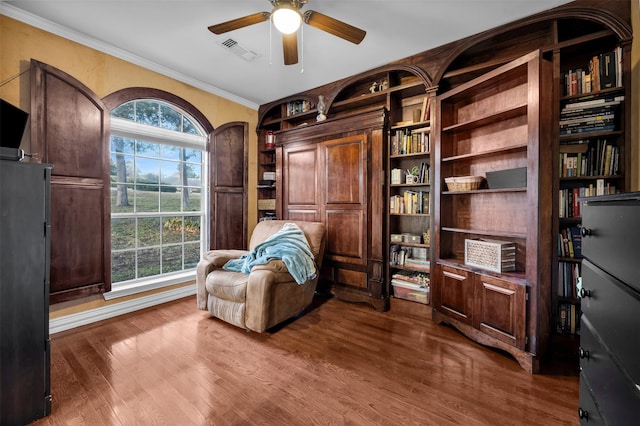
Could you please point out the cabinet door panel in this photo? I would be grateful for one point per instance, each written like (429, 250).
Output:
(344, 231)
(455, 295)
(500, 309)
(301, 176)
(344, 159)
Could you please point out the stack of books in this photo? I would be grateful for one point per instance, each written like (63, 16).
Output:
(589, 115)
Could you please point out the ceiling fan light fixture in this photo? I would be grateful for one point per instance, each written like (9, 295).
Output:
(286, 19)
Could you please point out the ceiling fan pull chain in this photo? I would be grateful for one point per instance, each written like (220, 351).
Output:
(302, 49)
(270, 42)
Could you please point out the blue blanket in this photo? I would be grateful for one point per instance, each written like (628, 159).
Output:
(289, 245)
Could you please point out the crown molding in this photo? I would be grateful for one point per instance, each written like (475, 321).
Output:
(59, 30)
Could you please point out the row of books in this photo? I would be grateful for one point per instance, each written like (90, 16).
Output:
(568, 318)
(569, 274)
(410, 202)
(603, 71)
(570, 242)
(589, 115)
(403, 257)
(589, 158)
(568, 197)
(419, 174)
(296, 107)
(407, 141)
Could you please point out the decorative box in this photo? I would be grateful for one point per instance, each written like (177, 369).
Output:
(411, 238)
(267, 204)
(509, 178)
(492, 255)
(396, 238)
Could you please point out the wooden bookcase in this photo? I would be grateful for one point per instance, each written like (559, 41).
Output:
(496, 122)
(591, 159)
(409, 210)
(267, 187)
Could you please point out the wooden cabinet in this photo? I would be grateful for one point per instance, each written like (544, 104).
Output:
(495, 123)
(330, 173)
(610, 374)
(25, 390)
(267, 183)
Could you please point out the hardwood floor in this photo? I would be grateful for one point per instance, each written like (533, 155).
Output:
(338, 364)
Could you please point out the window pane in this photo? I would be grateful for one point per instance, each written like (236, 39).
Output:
(147, 170)
(147, 198)
(123, 234)
(148, 262)
(148, 231)
(122, 145)
(171, 259)
(124, 111)
(194, 174)
(122, 198)
(147, 149)
(193, 155)
(192, 201)
(170, 152)
(189, 127)
(147, 112)
(192, 229)
(191, 255)
(170, 118)
(123, 265)
(172, 230)
(170, 199)
(121, 168)
(170, 172)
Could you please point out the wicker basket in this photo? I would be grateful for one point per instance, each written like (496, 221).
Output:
(463, 183)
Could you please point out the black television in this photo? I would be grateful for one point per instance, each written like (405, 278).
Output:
(13, 121)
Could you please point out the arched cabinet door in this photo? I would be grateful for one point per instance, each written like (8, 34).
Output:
(69, 129)
(228, 186)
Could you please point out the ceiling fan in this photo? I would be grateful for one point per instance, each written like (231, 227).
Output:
(287, 18)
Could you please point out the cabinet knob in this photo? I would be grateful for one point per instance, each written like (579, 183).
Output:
(585, 231)
(585, 293)
(583, 353)
(583, 414)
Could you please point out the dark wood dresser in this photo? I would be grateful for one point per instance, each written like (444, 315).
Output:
(610, 322)
(24, 292)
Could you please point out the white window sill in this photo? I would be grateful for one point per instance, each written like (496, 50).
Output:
(122, 290)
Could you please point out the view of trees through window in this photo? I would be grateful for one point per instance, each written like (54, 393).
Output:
(157, 206)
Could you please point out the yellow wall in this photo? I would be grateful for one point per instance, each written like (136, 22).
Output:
(104, 74)
(635, 101)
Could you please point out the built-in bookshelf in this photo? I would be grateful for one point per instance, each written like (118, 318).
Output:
(592, 149)
(267, 181)
(495, 124)
(409, 208)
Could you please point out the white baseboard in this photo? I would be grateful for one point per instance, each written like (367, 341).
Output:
(67, 322)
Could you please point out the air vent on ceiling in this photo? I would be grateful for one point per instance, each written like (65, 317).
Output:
(233, 46)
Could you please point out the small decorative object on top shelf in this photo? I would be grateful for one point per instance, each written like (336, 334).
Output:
(269, 140)
(322, 109)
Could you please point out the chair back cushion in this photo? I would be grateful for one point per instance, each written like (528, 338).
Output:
(314, 231)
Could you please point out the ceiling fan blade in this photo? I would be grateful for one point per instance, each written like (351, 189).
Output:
(290, 48)
(235, 24)
(334, 26)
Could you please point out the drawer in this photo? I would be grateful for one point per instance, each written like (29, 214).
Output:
(614, 240)
(613, 309)
(587, 409)
(615, 394)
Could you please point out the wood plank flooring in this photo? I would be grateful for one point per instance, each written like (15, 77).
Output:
(338, 364)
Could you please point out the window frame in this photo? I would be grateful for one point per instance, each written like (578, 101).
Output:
(126, 95)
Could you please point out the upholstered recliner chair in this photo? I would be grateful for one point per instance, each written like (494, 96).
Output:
(269, 294)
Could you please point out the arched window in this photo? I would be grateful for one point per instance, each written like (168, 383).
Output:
(158, 192)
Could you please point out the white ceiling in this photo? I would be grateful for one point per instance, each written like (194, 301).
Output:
(172, 37)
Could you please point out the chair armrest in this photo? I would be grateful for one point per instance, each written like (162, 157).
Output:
(211, 260)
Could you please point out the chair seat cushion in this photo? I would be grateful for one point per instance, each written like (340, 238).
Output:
(227, 285)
